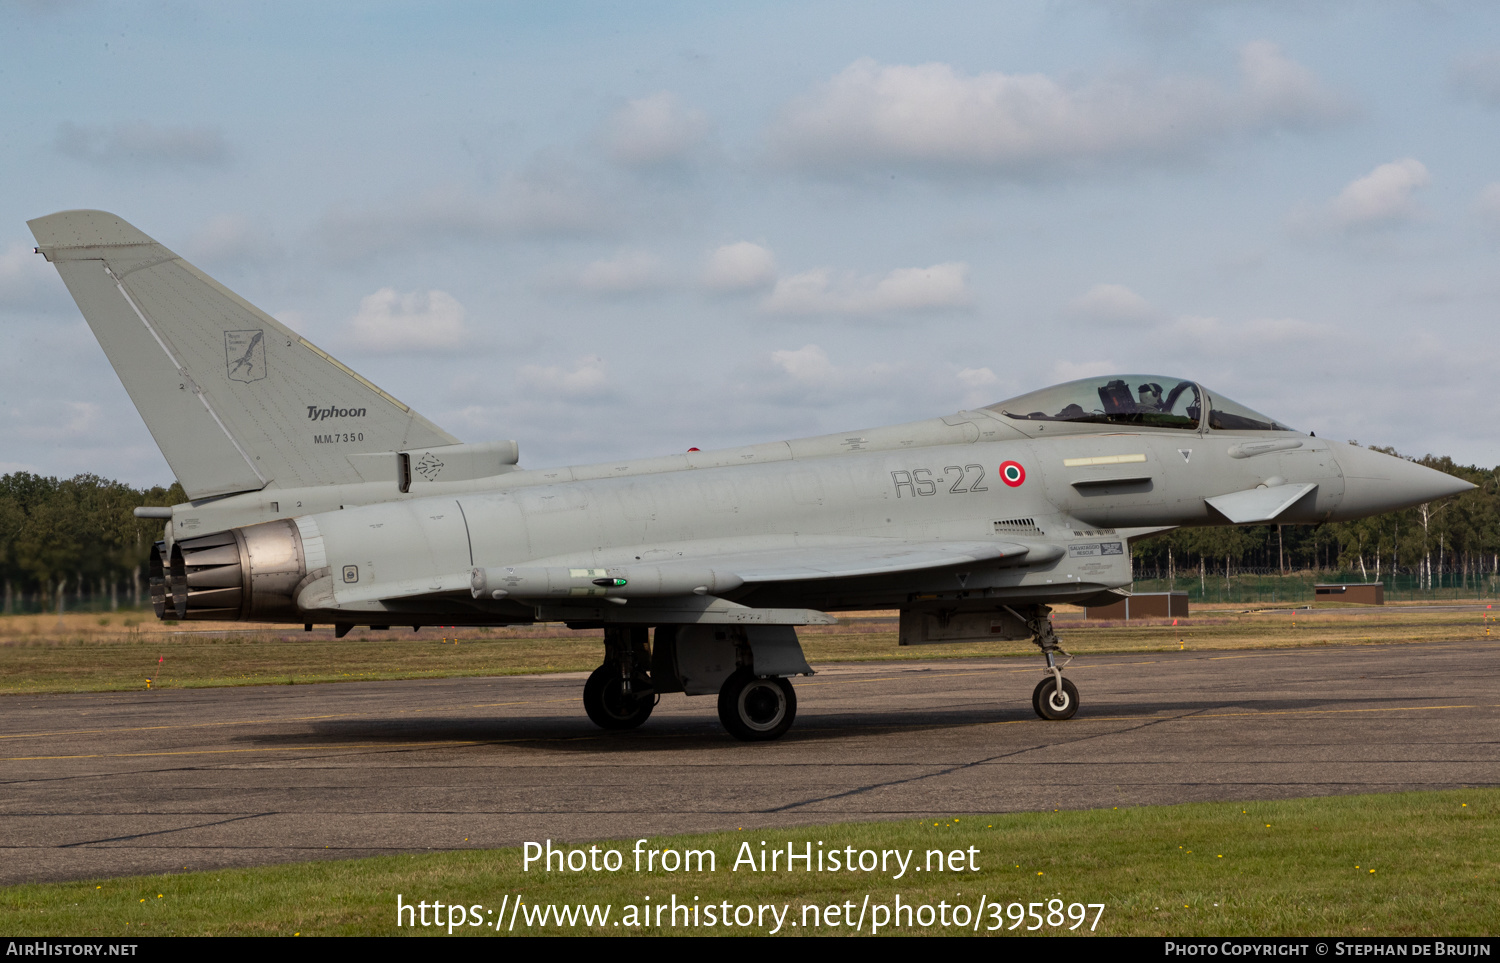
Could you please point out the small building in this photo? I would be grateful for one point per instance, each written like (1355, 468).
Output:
(1358, 593)
(1142, 605)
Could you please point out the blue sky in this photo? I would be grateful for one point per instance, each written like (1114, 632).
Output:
(621, 229)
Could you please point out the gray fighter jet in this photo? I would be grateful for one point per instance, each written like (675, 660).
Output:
(317, 498)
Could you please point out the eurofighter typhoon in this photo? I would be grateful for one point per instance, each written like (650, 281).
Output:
(317, 498)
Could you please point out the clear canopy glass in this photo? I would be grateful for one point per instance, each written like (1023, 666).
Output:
(1142, 401)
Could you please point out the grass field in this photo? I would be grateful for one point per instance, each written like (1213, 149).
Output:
(1414, 864)
(81, 653)
(1417, 864)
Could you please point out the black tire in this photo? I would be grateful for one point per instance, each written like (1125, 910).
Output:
(611, 708)
(1048, 708)
(756, 710)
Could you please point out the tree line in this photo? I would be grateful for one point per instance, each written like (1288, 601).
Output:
(1455, 539)
(71, 541)
(74, 541)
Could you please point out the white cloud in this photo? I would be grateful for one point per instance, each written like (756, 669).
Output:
(1276, 91)
(1478, 76)
(1382, 197)
(144, 143)
(1111, 303)
(742, 266)
(388, 321)
(654, 130)
(930, 115)
(586, 380)
(980, 386)
(299, 321)
(1488, 203)
(977, 377)
(629, 272)
(805, 375)
(808, 364)
(819, 291)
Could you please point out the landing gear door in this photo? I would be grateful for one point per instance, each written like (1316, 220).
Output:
(929, 626)
(706, 655)
(775, 651)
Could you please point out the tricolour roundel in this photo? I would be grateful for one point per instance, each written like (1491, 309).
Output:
(1012, 473)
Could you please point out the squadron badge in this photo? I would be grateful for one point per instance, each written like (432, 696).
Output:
(245, 355)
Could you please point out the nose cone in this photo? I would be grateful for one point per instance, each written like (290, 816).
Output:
(1376, 482)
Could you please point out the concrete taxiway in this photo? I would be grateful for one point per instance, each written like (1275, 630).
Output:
(155, 781)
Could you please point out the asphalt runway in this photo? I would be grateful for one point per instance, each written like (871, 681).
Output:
(156, 781)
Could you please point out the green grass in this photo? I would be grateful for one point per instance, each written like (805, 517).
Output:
(239, 658)
(42, 654)
(1417, 864)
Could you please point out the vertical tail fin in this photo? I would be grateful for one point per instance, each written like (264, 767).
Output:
(235, 400)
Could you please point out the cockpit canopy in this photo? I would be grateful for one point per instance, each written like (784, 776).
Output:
(1139, 401)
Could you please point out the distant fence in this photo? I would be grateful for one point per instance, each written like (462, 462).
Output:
(1247, 585)
(38, 603)
(1298, 586)
(33, 606)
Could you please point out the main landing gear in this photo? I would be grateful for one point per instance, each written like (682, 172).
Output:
(747, 671)
(1054, 698)
(618, 694)
(609, 705)
(755, 709)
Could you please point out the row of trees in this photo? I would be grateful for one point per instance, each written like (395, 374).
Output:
(1457, 538)
(75, 540)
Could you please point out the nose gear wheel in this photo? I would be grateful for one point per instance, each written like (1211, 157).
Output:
(1051, 704)
(1054, 697)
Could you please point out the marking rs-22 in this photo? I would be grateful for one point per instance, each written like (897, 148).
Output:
(920, 481)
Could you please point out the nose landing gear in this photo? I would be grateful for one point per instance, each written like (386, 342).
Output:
(1051, 704)
(1054, 698)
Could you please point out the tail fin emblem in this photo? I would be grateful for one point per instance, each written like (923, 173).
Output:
(245, 355)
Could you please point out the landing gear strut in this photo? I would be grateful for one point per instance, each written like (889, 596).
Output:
(618, 694)
(609, 705)
(1054, 698)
